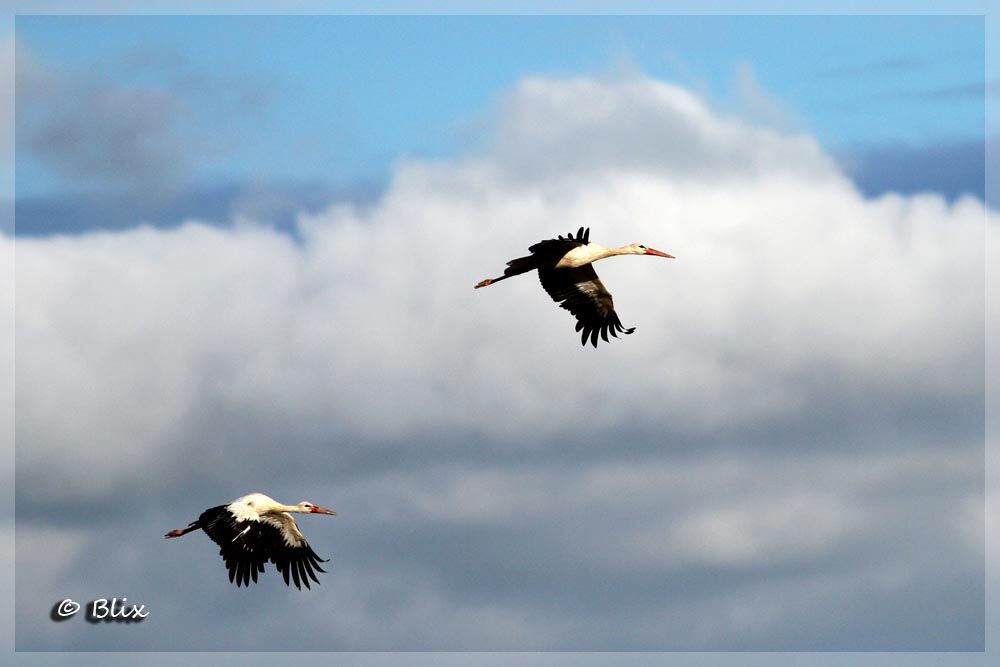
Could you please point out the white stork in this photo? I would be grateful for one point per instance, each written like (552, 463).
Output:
(255, 529)
(564, 268)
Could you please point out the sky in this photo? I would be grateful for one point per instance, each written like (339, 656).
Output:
(245, 251)
(202, 122)
(361, 82)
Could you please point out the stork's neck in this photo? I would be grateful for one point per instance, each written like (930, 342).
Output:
(600, 252)
(276, 508)
(590, 252)
(624, 250)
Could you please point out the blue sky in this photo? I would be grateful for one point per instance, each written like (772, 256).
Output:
(339, 99)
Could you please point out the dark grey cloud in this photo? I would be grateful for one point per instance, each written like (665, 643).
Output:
(248, 93)
(127, 136)
(786, 455)
(590, 552)
(120, 137)
(952, 169)
(971, 90)
(276, 204)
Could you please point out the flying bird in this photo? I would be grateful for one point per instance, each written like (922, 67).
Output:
(566, 273)
(255, 529)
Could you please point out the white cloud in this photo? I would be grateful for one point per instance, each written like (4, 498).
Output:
(799, 317)
(772, 531)
(556, 129)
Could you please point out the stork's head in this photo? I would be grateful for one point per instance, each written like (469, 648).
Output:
(639, 249)
(309, 508)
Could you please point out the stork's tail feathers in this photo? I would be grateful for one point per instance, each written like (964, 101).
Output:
(177, 532)
(520, 265)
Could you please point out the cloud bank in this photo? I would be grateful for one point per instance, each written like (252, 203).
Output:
(786, 455)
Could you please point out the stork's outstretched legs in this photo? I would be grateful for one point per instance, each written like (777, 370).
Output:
(177, 532)
(489, 281)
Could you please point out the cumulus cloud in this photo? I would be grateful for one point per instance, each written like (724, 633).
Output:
(587, 126)
(782, 456)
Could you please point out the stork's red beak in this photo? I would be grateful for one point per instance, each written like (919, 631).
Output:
(658, 253)
(316, 509)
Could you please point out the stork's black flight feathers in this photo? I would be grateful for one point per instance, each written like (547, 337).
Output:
(247, 545)
(582, 293)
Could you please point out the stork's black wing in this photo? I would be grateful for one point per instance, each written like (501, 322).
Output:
(582, 293)
(300, 562)
(560, 246)
(289, 550)
(247, 544)
(240, 543)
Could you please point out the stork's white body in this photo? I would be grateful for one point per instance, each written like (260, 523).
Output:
(258, 507)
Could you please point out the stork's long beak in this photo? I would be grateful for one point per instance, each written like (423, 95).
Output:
(316, 509)
(658, 253)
